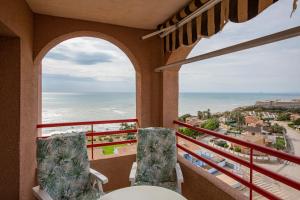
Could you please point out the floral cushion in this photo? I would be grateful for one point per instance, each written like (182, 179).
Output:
(63, 167)
(156, 156)
(91, 193)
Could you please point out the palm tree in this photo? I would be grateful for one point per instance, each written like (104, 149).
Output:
(208, 113)
(239, 118)
(200, 114)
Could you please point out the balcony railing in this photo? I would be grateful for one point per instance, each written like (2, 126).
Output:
(91, 133)
(249, 164)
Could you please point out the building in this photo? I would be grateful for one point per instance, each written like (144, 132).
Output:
(294, 117)
(248, 137)
(29, 29)
(214, 158)
(194, 121)
(268, 116)
(253, 121)
(295, 103)
(218, 160)
(253, 130)
(297, 127)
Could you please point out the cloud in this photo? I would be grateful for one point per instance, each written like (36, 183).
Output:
(269, 68)
(83, 58)
(65, 83)
(87, 64)
(113, 71)
(57, 56)
(80, 57)
(60, 77)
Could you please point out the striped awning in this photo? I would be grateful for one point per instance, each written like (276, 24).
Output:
(211, 21)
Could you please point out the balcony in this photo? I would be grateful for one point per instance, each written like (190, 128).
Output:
(157, 47)
(228, 184)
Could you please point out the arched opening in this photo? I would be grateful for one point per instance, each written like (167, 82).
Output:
(41, 49)
(87, 79)
(82, 68)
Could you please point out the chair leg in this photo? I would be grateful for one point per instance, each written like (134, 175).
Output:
(131, 183)
(179, 187)
(97, 184)
(100, 187)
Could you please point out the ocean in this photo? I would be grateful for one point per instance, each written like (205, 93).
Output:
(220, 102)
(71, 107)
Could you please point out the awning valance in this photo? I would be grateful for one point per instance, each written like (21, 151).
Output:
(210, 21)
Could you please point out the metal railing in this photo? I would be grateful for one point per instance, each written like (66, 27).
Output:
(249, 164)
(91, 133)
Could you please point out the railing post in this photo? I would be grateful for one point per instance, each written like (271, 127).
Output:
(177, 144)
(92, 129)
(250, 164)
(251, 171)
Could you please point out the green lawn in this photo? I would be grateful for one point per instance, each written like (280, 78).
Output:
(109, 150)
(280, 143)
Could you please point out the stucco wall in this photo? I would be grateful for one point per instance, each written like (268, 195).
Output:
(144, 54)
(19, 118)
(198, 184)
(9, 108)
(116, 169)
(171, 86)
(156, 95)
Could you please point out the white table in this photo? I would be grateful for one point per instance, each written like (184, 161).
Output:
(143, 193)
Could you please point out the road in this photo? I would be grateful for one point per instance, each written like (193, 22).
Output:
(287, 169)
(293, 136)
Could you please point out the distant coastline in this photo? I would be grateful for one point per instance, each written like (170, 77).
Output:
(221, 102)
(71, 106)
(75, 106)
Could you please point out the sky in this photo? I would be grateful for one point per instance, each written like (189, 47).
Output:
(87, 64)
(93, 65)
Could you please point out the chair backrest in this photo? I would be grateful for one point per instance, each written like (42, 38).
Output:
(63, 165)
(156, 155)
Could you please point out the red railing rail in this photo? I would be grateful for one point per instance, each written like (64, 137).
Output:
(117, 121)
(91, 133)
(249, 164)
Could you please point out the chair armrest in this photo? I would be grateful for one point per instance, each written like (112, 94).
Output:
(40, 194)
(132, 173)
(98, 176)
(179, 178)
(179, 173)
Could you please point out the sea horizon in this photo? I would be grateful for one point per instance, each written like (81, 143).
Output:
(89, 106)
(84, 106)
(179, 92)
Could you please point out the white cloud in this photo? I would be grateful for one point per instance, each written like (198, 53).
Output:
(270, 68)
(117, 68)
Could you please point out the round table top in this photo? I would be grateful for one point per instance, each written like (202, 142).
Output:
(144, 193)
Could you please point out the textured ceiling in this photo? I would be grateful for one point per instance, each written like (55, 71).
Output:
(145, 14)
